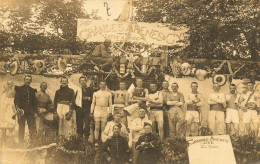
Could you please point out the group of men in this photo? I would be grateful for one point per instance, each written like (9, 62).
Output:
(138, 115)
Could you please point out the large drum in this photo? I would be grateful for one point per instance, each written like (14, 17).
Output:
(50, 120)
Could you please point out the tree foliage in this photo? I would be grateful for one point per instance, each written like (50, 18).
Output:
(218, 29)
(33, 26)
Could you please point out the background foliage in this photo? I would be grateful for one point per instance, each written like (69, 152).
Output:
(219, 29)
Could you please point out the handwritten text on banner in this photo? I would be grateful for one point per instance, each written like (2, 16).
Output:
(210, 150)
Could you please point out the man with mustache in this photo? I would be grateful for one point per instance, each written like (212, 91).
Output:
(25, 99)
(232, 110)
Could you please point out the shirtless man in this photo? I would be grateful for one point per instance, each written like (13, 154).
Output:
(121, 101)
(102, 100)
(232, 115)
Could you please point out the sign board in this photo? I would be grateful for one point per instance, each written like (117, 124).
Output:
(139, 32)
(210, 150)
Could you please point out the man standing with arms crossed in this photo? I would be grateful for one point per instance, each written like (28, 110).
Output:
(138, 95)
(232, 111)
(175, 113)
(194, 102)
(25, 99)
(83, 102)
(121, 101)
(102, 100)
(155, 103)
(217, 102)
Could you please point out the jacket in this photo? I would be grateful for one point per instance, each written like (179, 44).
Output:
(25, 99)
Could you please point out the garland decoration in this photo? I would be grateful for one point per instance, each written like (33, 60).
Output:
(220, 66)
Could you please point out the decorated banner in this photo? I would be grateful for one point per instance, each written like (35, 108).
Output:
(139, 32)
(210, 150)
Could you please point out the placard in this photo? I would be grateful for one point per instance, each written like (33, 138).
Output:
(211, 150)
(139, 32)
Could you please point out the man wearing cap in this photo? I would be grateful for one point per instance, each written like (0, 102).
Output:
(147, 145)
(44, 105)
(247, 102)
(216, 116)
(165, 92)
(121, 97)
(194, 102)
(155, 103)
(102, 55)
(83, 102)
(108, 132)
(101, 108)
(117, 145)
(64, 103)
(175, 113)
(137, 131)
(232, 110)
(25, 99)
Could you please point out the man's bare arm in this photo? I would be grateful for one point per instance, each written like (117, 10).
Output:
(110, 102)
(93, 104)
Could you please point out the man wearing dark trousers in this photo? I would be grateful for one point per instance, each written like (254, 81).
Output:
(25, 99)
(83, 102)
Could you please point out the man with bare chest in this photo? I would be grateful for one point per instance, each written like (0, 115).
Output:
(101, 107)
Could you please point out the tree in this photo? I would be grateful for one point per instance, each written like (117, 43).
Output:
(218, 29)
(33, 26)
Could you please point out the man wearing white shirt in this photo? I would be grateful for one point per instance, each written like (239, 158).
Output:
(248, 103)
(193, 101)
(216, 116)
(155, 102)
(108, 131)
(232, 115)
(138, 130)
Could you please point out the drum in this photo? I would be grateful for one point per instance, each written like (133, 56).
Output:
(131, 109)
(50, 120)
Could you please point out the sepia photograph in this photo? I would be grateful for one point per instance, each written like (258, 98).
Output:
(129, 82)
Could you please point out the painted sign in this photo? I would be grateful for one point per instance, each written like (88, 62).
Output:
(210, 150)
(140, 32)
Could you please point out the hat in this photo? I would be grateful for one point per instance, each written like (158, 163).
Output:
(62, 64)
(219, 79)
(185, 69)
(147, 124)
(14, 67)
(201, 74)
(68, 115)
(39, 66)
